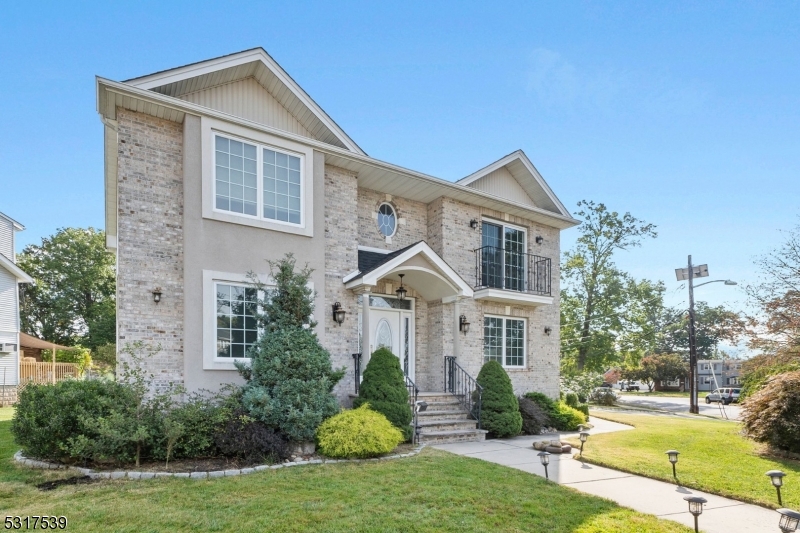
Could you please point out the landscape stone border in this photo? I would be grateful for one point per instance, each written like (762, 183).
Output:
(128, 474)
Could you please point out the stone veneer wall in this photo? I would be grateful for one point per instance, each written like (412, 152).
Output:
(341, 258)
(412, 224)
(150, 240)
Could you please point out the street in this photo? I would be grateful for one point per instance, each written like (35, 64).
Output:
(679, 405)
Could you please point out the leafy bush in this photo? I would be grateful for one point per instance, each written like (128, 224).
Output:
(562, 416)
(581, 384)
(499, 407)
(772, 414)
(49, 417)
(567, 418)
(758, 370)
(603, 396)
(289, 379)
(77, 355)
(357, 433)
(534, 417)
(583, 408)
(384, 388)
(189, 429)
(571, 399)
(245, 438)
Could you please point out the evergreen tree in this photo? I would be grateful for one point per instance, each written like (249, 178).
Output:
(500, 414)
(289, 379)
(384, 389)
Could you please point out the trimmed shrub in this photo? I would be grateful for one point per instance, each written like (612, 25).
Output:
(48, 418)
(499, 407)
(583, 408)
(245, 438)
(567, 418)
(571, 399)
(189, 430)
(384, 388)
(357, 433)
(603, 396)
(562, 416)
(534, 417)
(772, 414)
(289, 378)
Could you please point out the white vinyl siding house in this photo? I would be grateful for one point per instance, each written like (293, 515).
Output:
(10, 278)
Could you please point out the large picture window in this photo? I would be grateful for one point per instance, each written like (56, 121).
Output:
(257, 181)
(504, 341)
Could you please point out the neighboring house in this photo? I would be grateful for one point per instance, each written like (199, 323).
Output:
(214, 168)
(10, 277)
(715, 373)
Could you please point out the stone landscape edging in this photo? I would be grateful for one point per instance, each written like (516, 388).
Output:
(134, 474)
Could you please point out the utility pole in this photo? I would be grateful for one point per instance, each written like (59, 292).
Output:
(693, 408)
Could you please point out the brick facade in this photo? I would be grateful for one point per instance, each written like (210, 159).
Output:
(150, 240)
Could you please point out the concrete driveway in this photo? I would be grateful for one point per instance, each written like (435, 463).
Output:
(679, 405)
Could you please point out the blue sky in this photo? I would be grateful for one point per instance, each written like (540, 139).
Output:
(685, 114)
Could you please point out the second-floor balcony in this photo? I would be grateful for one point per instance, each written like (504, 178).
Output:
(512, 277)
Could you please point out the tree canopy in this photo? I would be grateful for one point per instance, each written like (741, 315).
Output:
(72, 298)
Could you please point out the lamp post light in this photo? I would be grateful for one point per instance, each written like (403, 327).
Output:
(673, 458)
(544, 457)
(789, 520)
(776, 476)
(695, 507)
(420, 406)
(583, 436)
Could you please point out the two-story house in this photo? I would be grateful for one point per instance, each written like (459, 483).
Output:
(10, 278)
(715, 373)
(213, 168)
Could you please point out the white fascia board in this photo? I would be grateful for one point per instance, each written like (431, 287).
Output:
(17, 225)
(424, 249)
(375, 250)
(194, 109)
(350, 276)
(9, 265)
(512, 297)
(517, 155)
(248, 56)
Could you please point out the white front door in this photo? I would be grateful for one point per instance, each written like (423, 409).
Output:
(394, 329)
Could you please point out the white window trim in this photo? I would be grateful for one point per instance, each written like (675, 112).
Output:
(396, 219)
(208, 128)
(210, 279)
(505, 225)
(524, 320)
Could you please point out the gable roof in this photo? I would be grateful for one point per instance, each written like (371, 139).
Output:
(18, 273)
(257, 64)
(17, 225)
(496, 178)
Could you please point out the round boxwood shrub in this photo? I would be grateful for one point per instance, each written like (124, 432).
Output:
(384, 388)
(772, 414)
(499, 407)
(357, 433)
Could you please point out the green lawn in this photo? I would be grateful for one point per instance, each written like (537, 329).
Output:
(713, 458)
(435, 491)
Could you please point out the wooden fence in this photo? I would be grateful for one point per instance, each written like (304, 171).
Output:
(43, 372)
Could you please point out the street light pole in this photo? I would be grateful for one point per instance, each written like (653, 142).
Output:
(693, 408)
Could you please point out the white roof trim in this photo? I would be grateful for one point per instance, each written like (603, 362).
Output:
(520, 156)
(512, 297)
(350, 276)
(17, 225)
(374, 250)
(421, 248)
(248, 56)
(9, 265)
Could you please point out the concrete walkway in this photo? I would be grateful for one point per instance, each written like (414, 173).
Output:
(642, 494)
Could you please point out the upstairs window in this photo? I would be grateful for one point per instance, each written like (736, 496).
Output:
(257, 181)
(387, 220)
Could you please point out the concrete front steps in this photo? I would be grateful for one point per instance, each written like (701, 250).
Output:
(446, 420)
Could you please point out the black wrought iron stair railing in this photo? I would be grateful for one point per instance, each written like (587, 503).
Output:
(413, 392)
(458, 382)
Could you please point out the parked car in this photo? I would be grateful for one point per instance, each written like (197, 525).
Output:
(725, 395)
(629, 386)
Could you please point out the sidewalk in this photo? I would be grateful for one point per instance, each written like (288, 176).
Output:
(642, 494)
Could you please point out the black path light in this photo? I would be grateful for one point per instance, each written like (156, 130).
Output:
(583, 436)
(776, 476)
(544, 457)
(695, 507)
(673, 458)
(789, 520)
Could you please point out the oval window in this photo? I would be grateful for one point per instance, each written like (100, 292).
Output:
(387, 220)
(384, 335)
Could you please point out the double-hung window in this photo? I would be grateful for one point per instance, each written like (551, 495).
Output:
(237, 329)
(257, 181)
(504, 341)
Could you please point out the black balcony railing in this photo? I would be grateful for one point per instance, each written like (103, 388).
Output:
(498, 268)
